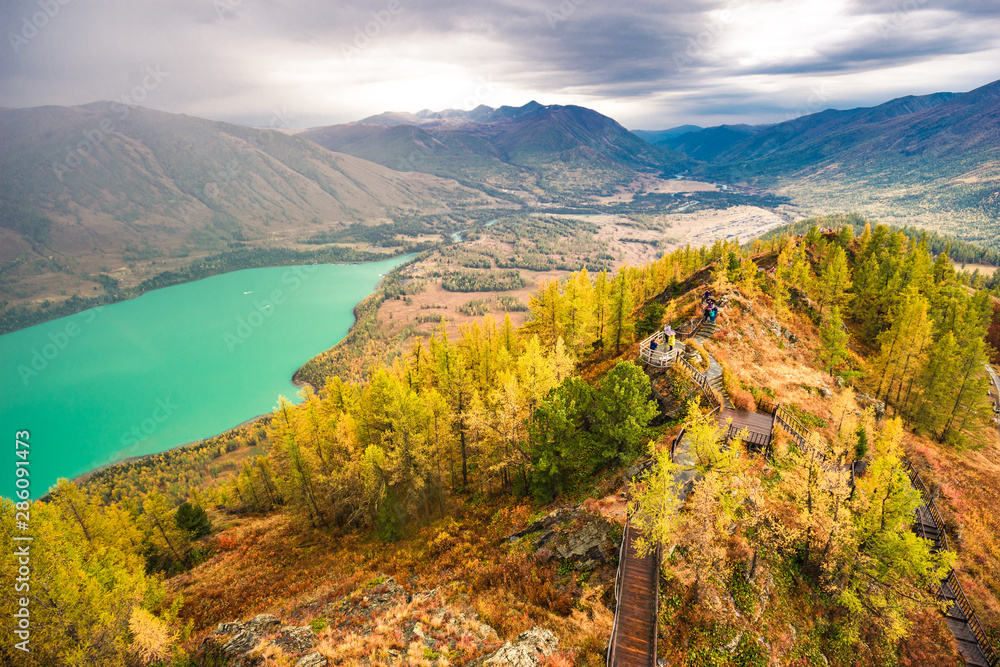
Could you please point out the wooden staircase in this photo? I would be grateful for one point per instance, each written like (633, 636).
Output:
(630, 642)
(633, 637)
(961, 618)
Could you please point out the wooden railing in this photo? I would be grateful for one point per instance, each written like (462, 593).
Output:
(693, 331)
(701, 380)
(970, 615)
(766, 407)
(791, 425)
(661, 357)
(925, 494)
(762, 440)
(656, 603)
(611, 653)
(952, 579)
(619, 583)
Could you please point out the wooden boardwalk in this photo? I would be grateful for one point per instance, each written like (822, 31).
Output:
(755, 422)
(633, 639)
(960, 617)
(758, 425)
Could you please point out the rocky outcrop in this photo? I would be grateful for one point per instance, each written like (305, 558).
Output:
(364, 608)
(293, 639)
(313, 659)
(572, 533)
(237, 642)
(421, 623)
(866, 401)
(526, 651)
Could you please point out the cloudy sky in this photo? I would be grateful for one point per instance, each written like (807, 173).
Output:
(649, 64)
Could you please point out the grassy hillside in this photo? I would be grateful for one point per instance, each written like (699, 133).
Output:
(933, 161)
(139, 192)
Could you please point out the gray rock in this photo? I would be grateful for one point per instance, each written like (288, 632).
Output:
(866, 401)
(526, 651)
(243, 641)
(313, 659)
(572, 533)
(839, 381)
(229, 628)
(264, 622)
(295, 639)
(824, 392)
(587, 546)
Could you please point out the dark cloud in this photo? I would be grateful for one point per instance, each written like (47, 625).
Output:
(646, 62)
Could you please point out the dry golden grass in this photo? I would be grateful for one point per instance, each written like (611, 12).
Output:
(269, 565)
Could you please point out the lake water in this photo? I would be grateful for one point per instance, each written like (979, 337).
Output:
(169, 367)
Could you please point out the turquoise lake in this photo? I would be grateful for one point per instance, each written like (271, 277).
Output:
(170, 367)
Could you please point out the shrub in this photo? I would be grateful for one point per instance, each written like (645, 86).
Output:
(742, 399)
(475, 307)
(193, 520)
(511, 303)
(702, 352)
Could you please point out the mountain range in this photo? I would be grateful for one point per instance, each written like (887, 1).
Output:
(129, 191)
(535, 150)
(934, 159)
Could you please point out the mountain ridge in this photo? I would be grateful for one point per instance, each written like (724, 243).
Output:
(533, 148)
(95, 187)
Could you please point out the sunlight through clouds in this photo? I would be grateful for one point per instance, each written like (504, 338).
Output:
(645, 64)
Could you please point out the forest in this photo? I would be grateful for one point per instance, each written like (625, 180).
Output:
(543, 414)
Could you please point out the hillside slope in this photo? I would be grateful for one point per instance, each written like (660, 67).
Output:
(535, 148)
(935, 158)
(102, 185)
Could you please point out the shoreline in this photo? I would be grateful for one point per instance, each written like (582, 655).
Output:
(85, 476)
(294, 380)
(112, 299)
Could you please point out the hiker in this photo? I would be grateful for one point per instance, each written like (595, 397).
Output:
(671, 335)
(712, 313)
(652, 345)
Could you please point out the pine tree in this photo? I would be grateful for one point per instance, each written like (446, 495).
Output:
(601, 301)
(890, 568)
(620, 323)
(622, 411)
(834, 339)
(548, 313)
(579, 296)
(835, 281)
(162, 528)
(935, 385)
(193, 520)
(902, 346)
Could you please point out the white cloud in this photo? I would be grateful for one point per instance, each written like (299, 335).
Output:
(644, 63)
